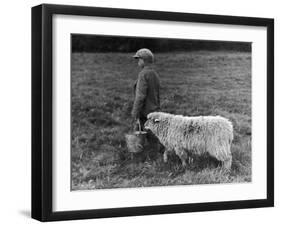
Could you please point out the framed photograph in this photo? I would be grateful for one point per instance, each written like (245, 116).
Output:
(145, 112)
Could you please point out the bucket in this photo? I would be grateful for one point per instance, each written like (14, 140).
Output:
(137, 140)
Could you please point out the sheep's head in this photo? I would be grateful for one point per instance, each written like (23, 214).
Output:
(156, 122)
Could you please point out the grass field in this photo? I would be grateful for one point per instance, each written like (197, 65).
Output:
(193, 83)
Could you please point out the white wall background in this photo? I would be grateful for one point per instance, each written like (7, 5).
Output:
(15, 100)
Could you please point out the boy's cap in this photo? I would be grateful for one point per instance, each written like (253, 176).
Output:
(144, 54)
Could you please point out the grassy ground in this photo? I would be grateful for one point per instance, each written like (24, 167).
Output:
(194, 83)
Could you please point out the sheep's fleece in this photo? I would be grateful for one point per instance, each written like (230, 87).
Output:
(193, 135)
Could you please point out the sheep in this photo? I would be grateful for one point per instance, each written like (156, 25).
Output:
(193, 135)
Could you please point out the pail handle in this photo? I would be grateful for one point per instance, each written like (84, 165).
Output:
(138, 121)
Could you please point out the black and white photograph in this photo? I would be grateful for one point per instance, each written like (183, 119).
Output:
(142, 112)
(149, 111)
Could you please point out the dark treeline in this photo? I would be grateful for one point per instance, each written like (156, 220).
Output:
(98, 43)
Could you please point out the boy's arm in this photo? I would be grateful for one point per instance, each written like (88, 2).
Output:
(141, 91)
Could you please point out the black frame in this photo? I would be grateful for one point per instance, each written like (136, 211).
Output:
(42, 111)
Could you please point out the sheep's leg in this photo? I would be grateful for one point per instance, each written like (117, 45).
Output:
(165, 156)
(227, 163)
(183, 156)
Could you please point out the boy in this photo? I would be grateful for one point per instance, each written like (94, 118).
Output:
(146, 88)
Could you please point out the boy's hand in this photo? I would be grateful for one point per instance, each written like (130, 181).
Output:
(135, 120)
(135, 124)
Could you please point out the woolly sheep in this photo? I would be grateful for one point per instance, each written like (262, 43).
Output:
(193, 135)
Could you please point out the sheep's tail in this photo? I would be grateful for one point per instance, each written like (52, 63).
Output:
(220, 145)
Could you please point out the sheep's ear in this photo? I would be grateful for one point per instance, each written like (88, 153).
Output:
(156, 120)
